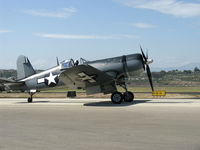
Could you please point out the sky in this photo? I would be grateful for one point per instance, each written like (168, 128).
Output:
(94, 29)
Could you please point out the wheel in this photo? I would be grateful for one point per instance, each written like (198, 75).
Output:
(117, 98)
(30, 100)
(128, 96)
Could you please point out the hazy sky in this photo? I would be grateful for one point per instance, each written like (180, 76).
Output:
(95, 29)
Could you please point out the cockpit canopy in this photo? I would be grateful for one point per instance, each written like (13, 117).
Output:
(70, 63)
(67, 64)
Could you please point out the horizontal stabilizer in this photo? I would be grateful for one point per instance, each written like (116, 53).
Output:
(4, 80)
(9, 84)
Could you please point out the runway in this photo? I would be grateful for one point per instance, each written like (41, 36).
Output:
(88, 124)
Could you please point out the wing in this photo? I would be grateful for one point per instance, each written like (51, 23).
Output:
(89, 78)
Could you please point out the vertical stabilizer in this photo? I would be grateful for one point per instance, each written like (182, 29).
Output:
(24, 68)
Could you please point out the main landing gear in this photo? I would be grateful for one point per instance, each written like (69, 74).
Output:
(117, 97)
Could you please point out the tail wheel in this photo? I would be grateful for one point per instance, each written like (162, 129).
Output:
(30, 100)
(117, 98)
(128, 96)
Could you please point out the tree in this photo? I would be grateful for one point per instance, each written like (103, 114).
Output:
(196, 70)
(187, 71)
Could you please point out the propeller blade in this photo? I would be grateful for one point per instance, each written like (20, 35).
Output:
(57, 61)
(143, 55)
(150, 77)
(143, 63)
(147, 56)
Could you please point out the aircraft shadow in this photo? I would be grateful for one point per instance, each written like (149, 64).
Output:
(33, 102)
(106, 103)
(170, 102)
(110, 104)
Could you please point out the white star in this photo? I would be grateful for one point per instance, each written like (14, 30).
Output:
(51, 78)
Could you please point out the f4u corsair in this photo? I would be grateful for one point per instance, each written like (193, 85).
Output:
(100, 76)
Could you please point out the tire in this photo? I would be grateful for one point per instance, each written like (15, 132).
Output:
(128, 96)
(117, 98)
(30, 100)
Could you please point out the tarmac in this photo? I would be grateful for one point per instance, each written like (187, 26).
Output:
(97, 124)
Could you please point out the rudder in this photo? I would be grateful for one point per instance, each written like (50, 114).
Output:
(24, 67)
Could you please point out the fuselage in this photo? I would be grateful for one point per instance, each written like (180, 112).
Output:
(127, 65)
(37, 81)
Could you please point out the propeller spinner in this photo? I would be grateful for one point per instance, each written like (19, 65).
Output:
(146, 63)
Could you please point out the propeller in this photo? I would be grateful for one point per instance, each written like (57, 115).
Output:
(146, 62)
(57, 61)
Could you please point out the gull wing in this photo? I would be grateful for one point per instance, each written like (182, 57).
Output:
(89, 78)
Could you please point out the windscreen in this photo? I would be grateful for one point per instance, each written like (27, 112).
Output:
(67, 64)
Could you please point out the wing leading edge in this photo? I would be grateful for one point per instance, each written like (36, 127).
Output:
(89, 78)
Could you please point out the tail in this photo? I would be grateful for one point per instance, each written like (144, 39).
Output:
(24, 68)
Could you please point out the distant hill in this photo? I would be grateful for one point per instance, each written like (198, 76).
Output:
(190, 66)
(11, 73)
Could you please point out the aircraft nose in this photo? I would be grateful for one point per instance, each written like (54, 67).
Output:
(149, 61)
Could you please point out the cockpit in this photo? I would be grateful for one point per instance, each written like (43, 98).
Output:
(67, 64)
(70, 63)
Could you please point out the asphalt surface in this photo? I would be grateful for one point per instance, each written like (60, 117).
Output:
(97, 124)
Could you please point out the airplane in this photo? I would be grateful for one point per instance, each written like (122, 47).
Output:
(99, 76)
